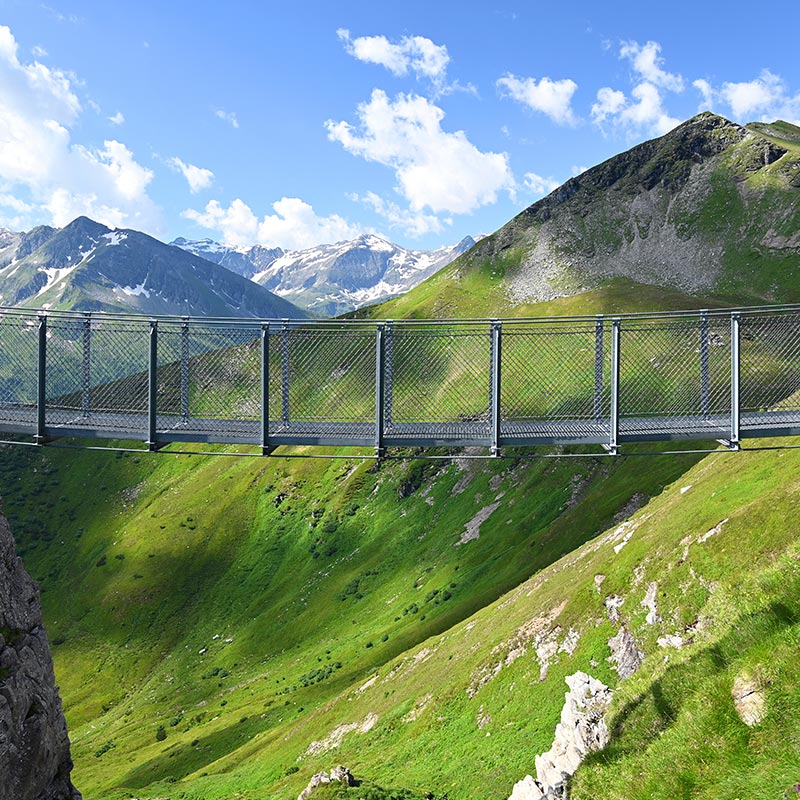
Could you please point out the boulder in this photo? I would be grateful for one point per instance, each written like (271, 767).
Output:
(338, 774)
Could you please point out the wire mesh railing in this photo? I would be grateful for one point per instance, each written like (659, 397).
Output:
(717, 374)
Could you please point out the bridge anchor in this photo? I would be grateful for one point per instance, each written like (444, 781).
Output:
(731, 445)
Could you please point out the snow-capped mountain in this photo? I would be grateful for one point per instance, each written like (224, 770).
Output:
(332, 279)
(89, 267)
(245, 261)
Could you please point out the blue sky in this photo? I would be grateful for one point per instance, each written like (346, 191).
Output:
(292, 124)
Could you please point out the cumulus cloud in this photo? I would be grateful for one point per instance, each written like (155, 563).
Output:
(38, 108)
(198, 178)
(294, 225)
(415, 54)
(538, 185)
(435, 169)
(117, 119)
(643, 111)
(553, 98)
(227, 116)
(647, 63)
(765, 97)
(708, 93)
(414, 223)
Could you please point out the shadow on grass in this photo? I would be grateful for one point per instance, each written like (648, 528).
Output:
(646, 717)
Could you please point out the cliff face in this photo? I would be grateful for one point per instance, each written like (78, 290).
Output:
(35, 761)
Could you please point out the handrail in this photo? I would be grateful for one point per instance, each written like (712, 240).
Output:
(371, 322)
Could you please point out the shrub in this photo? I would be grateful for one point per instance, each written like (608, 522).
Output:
(161, 733)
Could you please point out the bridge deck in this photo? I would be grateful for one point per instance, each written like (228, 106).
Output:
(518, 433)
(699, 375)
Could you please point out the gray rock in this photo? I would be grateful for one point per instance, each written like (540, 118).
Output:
(35, 761)
(625, 655)
(749, 700)
(338, 774)
(582, 730)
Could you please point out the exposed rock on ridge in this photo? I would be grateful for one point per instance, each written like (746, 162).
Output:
(35, 761)
(582, 730)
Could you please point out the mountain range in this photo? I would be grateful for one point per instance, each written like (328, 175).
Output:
(88, 267)
(332, 279)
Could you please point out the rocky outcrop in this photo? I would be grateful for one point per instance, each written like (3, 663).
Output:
(582, 730)
(749, 700)
(35, 762)
(338, 774)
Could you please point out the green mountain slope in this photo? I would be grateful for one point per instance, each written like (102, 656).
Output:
(319, 572)
(710, 210)
(249, 619)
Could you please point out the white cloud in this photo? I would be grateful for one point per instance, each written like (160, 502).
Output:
(38, 108)
(117, 119)
(643, 112)
(198, 178)
(435, 169)
(538, 185)
(294, 225)
(414, 223)
(227, 116)
(708, 93)
(38, 51)
(552, 98)
(766, 97)
(609, 102)
(578, 169)
(647, 62)
(416, 54)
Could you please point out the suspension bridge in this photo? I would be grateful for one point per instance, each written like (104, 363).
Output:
(514, 383)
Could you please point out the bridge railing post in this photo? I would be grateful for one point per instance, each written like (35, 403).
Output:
(285, 371)
(494, 390)
(86, 366)
(705, 374)
(185, 370)
(388, 373)
(736, 363)
(380, 374)
(598, 367)
(613, 443)
(152, 387)
(41, 384)
(265, 389)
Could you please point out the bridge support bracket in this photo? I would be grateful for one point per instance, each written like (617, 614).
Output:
(731, 445)
(494, 451)
(154, 447)
(268, 450)
(611, 449)
(380, 453)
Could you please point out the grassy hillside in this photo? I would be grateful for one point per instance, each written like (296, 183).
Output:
(251, 622)
(317, 572)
